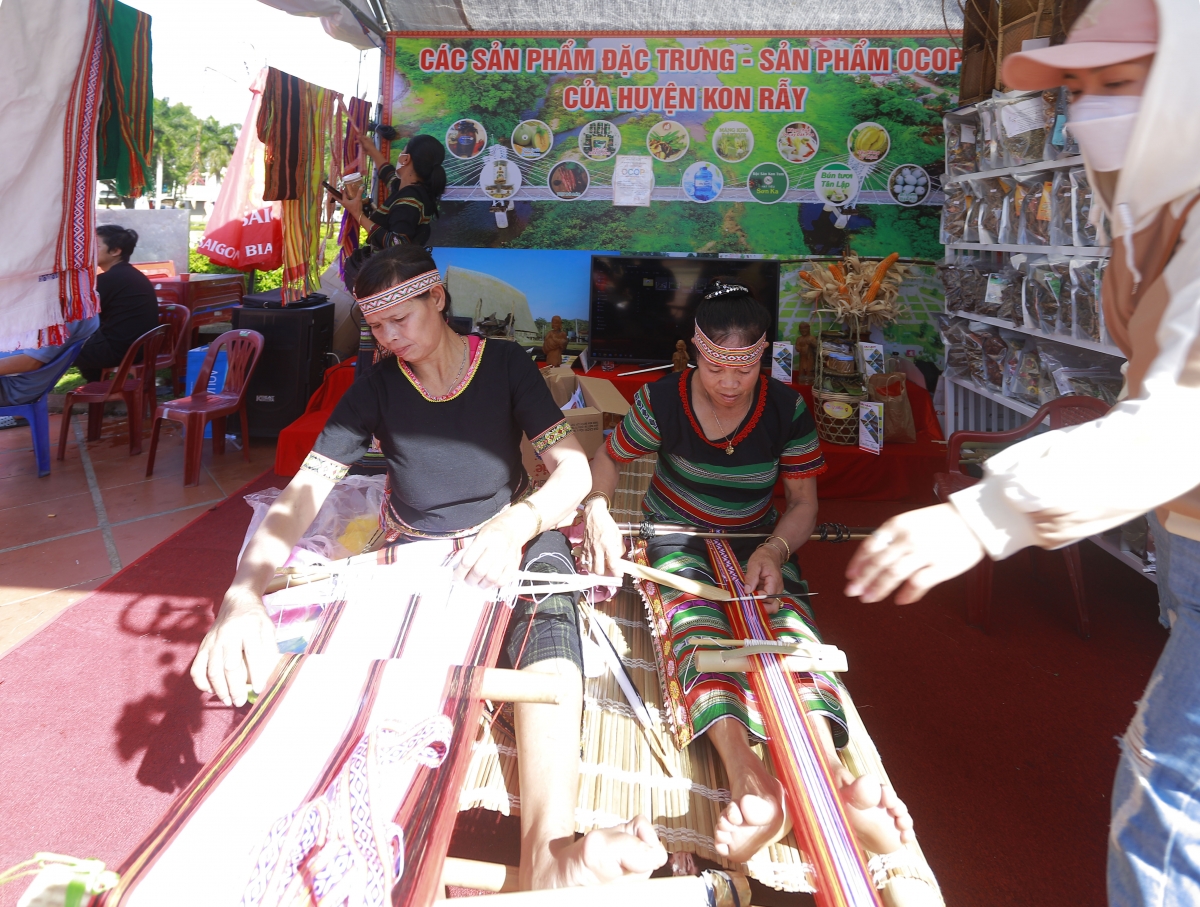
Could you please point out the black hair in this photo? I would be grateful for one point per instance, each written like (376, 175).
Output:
(118, 237)
(394, 265)
(728, 313)
(427, 154)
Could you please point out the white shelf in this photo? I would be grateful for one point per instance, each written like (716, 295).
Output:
(1009, 402)
(1036, 167)
(1124, 556)
(1093, 251)
(1096, 346)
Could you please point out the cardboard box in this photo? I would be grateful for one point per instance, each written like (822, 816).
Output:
(604, 408)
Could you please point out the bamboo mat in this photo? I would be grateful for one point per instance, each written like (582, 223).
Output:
(624, 772)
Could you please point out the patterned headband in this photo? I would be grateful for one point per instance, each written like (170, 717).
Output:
(401, 292)
(729, 357)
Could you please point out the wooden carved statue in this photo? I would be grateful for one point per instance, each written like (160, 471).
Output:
(806, 354)
(681, 358)
(554, 343)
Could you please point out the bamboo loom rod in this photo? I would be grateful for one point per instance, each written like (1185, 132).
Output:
(479, 876)
(504, 685)
(710, 889)
(824, 532)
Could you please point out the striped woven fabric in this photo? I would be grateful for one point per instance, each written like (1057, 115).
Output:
(125, 136)
(696, 700)
(814, 804)
(349, 234)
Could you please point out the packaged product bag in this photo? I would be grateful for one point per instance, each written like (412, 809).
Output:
(991, 153)
(1022, 117)
(990, 204)
(1062, 217)
(1037, 193)
(1083, 231)
(1087, 276)
(962, 151)
(891, 389)
(954, 212)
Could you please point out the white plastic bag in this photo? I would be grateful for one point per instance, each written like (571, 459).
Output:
(349, 517)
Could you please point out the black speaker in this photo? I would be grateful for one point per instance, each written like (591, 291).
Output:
(294, 357)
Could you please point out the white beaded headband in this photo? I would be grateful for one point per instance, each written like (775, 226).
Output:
(401, 292)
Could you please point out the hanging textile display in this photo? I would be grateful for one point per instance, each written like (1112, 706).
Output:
(125, 139)
(296, 123)
(357, 117)
(50, 86)
(244, 231)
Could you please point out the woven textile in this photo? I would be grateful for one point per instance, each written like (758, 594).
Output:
(303, 147)
(125, 139)
(357, 114)
(49, 103)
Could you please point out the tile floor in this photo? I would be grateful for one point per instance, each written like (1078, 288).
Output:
(61, 536)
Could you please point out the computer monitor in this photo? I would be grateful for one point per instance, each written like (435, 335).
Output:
(640, 306)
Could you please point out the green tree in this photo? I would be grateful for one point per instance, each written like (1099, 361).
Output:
(189, 144)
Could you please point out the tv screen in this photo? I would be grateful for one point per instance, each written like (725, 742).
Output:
(639, 307)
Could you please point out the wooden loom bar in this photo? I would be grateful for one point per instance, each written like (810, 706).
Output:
(710, 889)
(479, 876)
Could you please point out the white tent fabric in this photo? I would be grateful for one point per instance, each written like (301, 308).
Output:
(631, 15)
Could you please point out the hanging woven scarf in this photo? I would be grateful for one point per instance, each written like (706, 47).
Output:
(358, 116)
(296, 125)
(125, 137)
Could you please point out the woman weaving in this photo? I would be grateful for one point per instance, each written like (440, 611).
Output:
(723, 433)
(449, 412)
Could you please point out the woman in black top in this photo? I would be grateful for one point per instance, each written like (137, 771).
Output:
(409, 193)
(128, 304)
(449, 412)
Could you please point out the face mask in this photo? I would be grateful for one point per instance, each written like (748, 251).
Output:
(1103, 125)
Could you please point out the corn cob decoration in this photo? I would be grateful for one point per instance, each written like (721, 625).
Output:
(855, 290)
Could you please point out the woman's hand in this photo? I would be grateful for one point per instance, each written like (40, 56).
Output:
(239, 652)
(352, 199)
(764, 574)
(918, 549)
(603, 545)
(494, 555)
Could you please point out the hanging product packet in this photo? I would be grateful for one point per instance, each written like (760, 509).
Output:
(990, 204)
(1059, 143)
(1022, 118)
(954, 213)
(1034, 226)
(1087, 277)
(1016, 343)
(1051, 285)
(1062, 213)
(991, 153)
(953, 332)
(1083, 231)
(1027, 378)
(985, 355)
(971, 223)
(891, 389)
(1010, 220)
(962, 153)
(1013, 278)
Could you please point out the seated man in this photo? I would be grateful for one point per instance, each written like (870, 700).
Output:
(17, 383)
(723, 433)
(128, 305)
(449, 412)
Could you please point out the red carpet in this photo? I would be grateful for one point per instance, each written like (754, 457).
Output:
(1002, 745)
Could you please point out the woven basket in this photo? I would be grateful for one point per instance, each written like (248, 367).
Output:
(837, 417)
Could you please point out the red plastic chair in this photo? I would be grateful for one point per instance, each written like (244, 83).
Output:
(179, 319)
(1071, 410)
(122, 386)
(193, 412)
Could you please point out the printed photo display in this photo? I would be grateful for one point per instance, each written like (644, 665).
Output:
(734, 125)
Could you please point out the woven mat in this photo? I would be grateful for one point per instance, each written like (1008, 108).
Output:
(625, 772)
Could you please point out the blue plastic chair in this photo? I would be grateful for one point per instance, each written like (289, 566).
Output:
(38, 412)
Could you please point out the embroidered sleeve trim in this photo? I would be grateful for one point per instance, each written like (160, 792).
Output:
(551, 436)
(325, 467)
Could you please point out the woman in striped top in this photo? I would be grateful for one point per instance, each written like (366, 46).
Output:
(723, 433)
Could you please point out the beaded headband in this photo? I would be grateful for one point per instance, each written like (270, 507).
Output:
(401, 292)
(729, 357)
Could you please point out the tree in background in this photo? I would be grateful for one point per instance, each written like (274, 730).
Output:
(189, 147)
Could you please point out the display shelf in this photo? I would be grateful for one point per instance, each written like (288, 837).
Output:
(1117, 549)
(995, 396)
(1093, 251)
(1037, 167)
(1083, 343)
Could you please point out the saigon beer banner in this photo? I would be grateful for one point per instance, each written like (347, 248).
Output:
(762, 144)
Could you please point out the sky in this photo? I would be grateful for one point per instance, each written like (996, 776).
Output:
(206, 54)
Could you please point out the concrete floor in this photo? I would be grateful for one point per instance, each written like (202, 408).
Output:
(63, 535)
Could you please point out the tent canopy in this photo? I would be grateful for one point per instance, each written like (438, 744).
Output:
(362, 22)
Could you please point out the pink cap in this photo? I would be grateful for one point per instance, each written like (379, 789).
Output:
(1107, 32)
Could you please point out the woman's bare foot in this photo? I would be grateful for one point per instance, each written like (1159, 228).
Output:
(755, 815)
(879, 818)
(629, 851)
